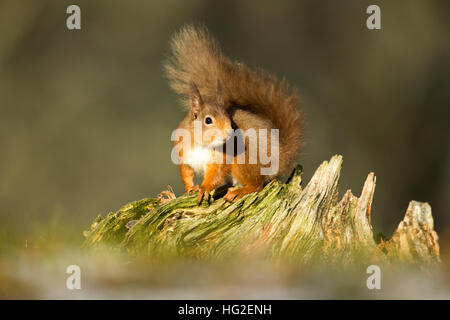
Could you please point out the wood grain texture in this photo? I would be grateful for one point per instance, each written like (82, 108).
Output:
(283, 221)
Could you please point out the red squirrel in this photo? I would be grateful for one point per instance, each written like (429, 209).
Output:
(224, 95)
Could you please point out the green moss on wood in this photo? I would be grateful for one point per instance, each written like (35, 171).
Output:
(283, 221)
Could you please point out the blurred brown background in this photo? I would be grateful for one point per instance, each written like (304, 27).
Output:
(86, 116)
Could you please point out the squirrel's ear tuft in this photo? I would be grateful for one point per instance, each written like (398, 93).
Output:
(220, 97)
(196, 101)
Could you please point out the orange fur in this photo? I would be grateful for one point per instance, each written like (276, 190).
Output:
(247, 98)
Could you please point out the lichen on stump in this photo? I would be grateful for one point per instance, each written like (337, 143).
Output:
(283, 221)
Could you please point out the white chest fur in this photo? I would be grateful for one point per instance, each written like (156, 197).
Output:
(198, 158)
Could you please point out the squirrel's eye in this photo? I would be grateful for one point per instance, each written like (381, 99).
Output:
(208, 120)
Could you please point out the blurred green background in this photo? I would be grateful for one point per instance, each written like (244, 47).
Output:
(86, 116)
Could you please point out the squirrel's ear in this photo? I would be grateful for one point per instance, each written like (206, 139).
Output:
(196, 103)
(220, 97)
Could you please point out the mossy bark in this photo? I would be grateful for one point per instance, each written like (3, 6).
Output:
(283, 221)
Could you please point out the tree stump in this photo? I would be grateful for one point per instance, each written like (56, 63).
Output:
(283, 221)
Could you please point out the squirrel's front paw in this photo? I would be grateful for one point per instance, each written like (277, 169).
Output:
(203, 193)
(192, 189)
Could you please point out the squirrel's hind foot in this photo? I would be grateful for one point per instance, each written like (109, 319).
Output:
(235, 194)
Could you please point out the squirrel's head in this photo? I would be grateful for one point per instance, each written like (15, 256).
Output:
(211, 114)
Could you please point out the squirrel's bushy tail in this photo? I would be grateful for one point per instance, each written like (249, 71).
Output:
(196, 56)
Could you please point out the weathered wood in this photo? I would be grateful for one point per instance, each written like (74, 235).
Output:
(415, 238)
(283, 221)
